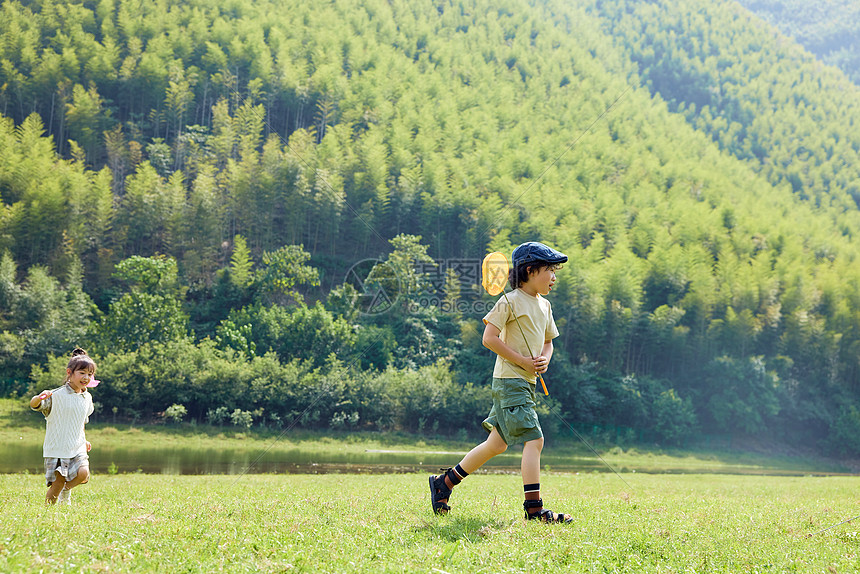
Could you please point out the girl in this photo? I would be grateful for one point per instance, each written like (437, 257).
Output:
(67, 409)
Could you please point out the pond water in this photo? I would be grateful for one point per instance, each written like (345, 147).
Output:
(16, 458)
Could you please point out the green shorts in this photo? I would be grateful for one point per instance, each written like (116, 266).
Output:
(513, 413)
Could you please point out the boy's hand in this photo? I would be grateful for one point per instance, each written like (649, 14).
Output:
(525, 363)
(541, 364)
(44, 395)
(89, 446)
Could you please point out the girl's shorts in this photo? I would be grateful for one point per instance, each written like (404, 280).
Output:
(513, 413)
(67, 467)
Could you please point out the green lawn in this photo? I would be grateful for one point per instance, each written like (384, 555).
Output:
(383, 523)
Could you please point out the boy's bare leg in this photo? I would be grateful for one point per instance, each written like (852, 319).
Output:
(531, 461)
(440, 486)
(478, 456)
(531, 484)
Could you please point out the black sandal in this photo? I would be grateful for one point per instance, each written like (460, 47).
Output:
(439, 490)
(544, 515)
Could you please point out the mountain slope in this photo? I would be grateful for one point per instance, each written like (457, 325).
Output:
(830, 29)
(700, 172)
(758, 95)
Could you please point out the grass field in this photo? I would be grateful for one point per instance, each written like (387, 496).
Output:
(383, 523)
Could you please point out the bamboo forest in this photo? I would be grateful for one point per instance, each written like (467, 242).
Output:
(208, 196)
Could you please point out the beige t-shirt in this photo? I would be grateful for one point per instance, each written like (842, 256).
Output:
(535, 318)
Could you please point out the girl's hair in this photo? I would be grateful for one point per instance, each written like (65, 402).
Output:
(80, 359)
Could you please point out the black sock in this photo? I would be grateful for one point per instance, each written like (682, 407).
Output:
(532, 492)
(454, 476)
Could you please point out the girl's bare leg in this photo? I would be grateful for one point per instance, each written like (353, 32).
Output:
(60, 483)
(54, 489)
(82, 477)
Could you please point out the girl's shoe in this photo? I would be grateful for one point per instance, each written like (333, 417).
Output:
(65, 497)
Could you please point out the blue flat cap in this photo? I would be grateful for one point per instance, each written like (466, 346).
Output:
(535, 252)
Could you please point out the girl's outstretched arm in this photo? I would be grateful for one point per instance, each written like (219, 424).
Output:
(37, 400)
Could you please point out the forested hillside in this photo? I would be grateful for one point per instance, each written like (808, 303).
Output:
(830, 29)
(185, 186)
(761, 99)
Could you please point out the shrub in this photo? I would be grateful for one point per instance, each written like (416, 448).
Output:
(343, 419)
(674, 417)
(217, 416)
(844, 438)
(175, 413)
(242, 418)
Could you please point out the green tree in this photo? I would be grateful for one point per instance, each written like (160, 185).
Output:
(284, 269)
(400, 275)
(157, 275)
(151, 311)
(9, 290)
(311, 334)
(241, 263)
(744, 395)
(84, 118)
(674, 418)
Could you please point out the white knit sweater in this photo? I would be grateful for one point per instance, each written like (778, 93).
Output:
(66, 412)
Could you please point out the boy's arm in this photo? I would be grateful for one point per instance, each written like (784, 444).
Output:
(493, 342)
(542, 361)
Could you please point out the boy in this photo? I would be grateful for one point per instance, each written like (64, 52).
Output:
(512, 418)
